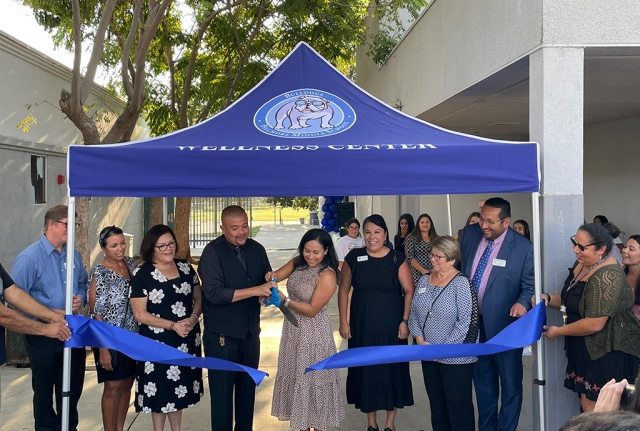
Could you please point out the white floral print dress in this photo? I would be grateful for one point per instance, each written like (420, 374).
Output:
(164, 388)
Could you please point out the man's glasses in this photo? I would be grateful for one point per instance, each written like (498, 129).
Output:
(482, 221)
(66, 224)
(437, 257)
(580, 246)
(163, 247)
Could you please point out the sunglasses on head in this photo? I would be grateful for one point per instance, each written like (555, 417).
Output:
(581, 247)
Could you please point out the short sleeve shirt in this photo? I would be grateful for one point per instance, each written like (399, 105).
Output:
(5, 281)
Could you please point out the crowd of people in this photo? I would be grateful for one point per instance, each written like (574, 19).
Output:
(425, 288)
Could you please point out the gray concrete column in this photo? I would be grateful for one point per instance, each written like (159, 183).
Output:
(556, 101)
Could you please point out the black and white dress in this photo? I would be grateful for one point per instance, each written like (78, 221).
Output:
(416, 248)
(164, 388)
(112, 304)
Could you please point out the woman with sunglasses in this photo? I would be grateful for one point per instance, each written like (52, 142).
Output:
(109, 302)
(602, 335)
(166, 301)
(444, 310)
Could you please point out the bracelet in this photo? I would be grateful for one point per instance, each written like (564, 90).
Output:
(405, 321)
(287, 300)
(171, 327)
(196, 316)
(548, 297)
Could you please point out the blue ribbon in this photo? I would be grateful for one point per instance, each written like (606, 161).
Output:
(524, 331)
(89, 332)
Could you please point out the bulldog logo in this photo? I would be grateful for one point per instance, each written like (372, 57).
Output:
(304, 113)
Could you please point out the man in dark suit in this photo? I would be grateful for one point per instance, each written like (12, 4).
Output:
(499, 262)
(232, 269)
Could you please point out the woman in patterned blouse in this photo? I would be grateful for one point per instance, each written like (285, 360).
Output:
(444, 310)
(417, 247)
(109, 302)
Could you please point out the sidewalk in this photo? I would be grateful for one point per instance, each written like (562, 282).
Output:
(281, 242)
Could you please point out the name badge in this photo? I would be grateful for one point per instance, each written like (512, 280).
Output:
(499, 262)
(362, 258)
(422, 290)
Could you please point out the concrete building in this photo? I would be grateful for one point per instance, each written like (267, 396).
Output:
(564, 74)
(33, 162)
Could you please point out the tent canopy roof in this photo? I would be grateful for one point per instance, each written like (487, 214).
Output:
(305, 130)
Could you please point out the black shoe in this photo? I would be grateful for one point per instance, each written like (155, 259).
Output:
(388, 429)
(372, 429)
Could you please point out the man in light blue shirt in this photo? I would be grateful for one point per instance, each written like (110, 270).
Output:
(41, 271)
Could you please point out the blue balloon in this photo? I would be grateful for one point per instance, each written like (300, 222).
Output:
(336, 229)
(325, 207)
(333, 208)
(327, 228)
(333, 222)
(327, 215)
(324, 222)
(328, 200)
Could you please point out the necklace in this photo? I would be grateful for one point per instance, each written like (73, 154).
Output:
(115, 267)
(576, 279)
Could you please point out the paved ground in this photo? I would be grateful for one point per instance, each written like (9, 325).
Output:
(280, 241)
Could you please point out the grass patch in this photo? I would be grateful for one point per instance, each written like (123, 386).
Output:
(263, 214)
(255, 230)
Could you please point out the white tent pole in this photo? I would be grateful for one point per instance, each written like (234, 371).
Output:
(449, 214)
(68, 308)
(539, 382)
(165, 210)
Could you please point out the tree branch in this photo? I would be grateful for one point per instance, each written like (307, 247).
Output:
(172, 78)
(126, 66)
(245, 57)
(73, 100)
(184, 103)
(96, 51)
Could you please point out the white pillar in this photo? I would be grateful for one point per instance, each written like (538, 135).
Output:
(556, 101)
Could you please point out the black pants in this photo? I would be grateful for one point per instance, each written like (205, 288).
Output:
(46, 357)
(222, 383)
(450, 395)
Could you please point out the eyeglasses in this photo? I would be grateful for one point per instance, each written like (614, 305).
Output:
(66, 224)
(580, 246)
(437, 257)
(353, 228)
(482, 221)
(163, 247)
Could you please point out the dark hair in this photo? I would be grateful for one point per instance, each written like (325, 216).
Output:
(147, 248)
(330, 260)
(351, 221)
(600, 236)
(106, 233)
(603, 421)
(527, 232)
(502, 204)
(612, 228)
(378, 220)
(636, 290)
(409, 218)
(55, 214)
(416, 230)
(475, 214)
(602, 219)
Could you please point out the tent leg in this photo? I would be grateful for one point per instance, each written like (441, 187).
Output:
(449, 214)
(538, 382)
(68, 307)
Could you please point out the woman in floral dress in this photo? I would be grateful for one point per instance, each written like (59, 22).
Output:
(165, 298)
(312, 400)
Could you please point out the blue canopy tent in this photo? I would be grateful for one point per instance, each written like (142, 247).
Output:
(306, 130)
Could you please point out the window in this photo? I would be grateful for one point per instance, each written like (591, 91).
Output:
(38, 184)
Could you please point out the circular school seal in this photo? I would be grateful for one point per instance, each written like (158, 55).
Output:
(304, 113)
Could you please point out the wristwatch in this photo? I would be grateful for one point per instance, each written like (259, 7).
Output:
(405, 321)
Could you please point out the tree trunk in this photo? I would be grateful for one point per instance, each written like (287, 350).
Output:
(182, 212)
(155, 211)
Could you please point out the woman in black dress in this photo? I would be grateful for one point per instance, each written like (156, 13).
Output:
(166, 301)
(109, 302)
(379, 315)
(602, 335)
(405, 227)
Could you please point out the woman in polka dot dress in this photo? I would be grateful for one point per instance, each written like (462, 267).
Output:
(312, 400)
